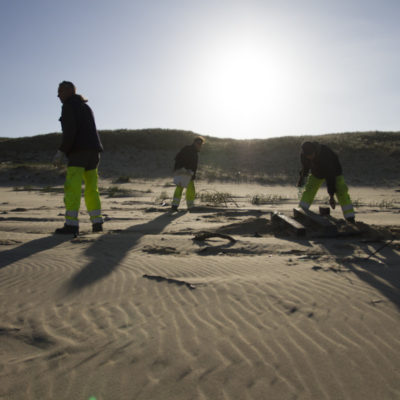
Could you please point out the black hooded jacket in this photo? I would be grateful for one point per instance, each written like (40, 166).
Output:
(325, 165)
(78, 127)
(187, 158)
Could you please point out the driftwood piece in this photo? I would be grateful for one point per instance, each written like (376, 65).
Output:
(158, 278)
(309, 217)
(297, 227)
(206, 235)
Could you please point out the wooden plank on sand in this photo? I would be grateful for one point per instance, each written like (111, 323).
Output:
(307, 216)
(296, 226)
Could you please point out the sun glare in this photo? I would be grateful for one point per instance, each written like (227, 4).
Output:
(247, 83)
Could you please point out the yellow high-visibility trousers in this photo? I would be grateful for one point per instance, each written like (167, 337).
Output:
(190, 195)
(342, 194)
(73, 193)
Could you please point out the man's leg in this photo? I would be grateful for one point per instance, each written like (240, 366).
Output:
(92, 199)
(177, 197)
(311, 189)
(190, 195)
(342, 193)
(72, 199)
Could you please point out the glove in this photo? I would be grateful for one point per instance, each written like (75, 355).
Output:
(332, 202)
(58, 159)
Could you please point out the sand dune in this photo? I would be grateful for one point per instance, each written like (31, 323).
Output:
(265, 316)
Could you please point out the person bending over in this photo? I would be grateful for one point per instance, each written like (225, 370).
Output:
(185, 173)
(324, 166)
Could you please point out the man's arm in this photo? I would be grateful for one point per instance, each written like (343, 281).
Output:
(179, 160)
(305, 168)
(333, 170)
(69, 128)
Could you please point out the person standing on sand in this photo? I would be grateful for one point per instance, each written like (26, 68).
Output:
(185, 172)
(82, 146)
(324, 165)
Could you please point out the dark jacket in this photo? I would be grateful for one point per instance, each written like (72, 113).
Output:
(325, 165)
(187, 158)
(78, 127)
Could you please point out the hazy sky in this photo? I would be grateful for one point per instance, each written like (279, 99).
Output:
(226, 68)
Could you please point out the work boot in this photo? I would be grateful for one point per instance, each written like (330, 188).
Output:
(68, 230)
(351, 220)
(174, 208)
(97, 227)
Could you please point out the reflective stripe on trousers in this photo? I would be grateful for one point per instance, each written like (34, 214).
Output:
(95, 216)
(71, 218)
(348, 211)
(304, 205)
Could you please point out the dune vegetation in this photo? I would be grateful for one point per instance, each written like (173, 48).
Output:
(368, 158)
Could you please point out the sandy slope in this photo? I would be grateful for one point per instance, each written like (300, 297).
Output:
(271, 316)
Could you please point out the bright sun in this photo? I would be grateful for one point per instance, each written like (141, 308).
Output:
(248, 82)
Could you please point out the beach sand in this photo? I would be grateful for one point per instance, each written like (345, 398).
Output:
(144, 311)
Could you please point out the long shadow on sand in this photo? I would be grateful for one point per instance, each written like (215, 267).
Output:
(381, 271)
(30, 248)
(107, 252)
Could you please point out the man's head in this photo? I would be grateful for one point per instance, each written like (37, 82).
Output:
(198, 142)
(309, 149)
(66, 90)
